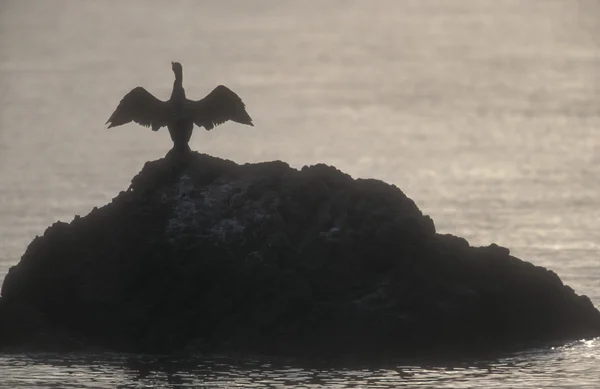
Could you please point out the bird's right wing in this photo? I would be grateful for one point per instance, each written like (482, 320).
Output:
(219, 106)
(142, 107)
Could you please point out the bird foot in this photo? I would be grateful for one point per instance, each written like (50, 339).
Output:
(179, 153)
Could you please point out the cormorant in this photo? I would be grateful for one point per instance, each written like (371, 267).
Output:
(179, 114)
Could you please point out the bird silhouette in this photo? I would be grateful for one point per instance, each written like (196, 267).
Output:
(179, 114)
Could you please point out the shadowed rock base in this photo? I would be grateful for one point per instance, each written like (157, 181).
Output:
(202, 254)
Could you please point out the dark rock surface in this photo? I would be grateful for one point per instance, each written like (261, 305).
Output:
(206, 255)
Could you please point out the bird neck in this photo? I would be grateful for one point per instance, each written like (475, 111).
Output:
(178, 92)
(178, 79)
(177, 85)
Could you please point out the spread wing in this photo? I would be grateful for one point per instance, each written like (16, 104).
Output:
(219, 106)
(142, 107)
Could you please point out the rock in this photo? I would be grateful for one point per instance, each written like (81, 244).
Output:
(202, 254)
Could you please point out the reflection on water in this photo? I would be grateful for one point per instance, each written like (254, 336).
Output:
(539, 368)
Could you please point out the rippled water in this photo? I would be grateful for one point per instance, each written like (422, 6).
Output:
(485, 112)
(524, 370)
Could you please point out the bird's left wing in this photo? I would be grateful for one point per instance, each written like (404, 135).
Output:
(142, 107)
(219, 106)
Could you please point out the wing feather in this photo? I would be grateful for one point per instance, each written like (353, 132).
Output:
(219, 106)
(142, 107)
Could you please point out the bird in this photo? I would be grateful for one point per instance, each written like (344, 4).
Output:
(179, 114)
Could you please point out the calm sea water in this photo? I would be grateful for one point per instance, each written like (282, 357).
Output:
(485, 112)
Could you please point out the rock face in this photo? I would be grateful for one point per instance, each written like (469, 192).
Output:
(203, 254)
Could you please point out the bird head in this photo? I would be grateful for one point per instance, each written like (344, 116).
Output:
(176, 66)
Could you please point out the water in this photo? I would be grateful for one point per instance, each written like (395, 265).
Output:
(484, 112)
(523, 370)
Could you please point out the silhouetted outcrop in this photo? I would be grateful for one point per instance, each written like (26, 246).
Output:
(204, 254)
